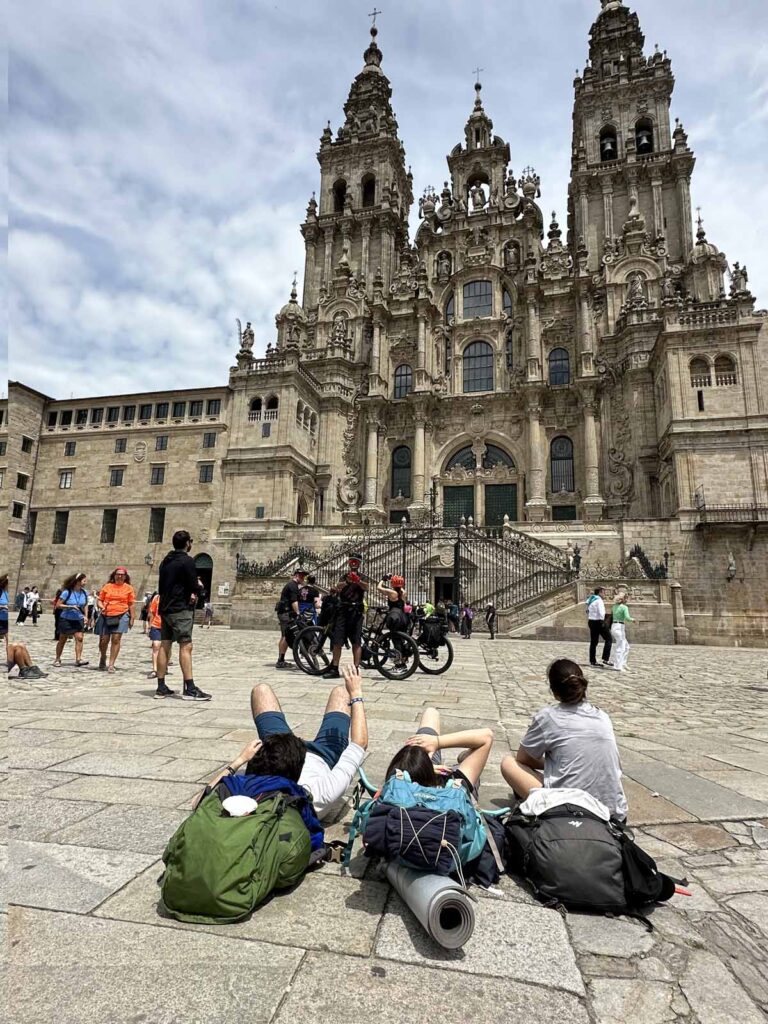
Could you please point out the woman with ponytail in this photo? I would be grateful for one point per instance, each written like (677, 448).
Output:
(569, 744)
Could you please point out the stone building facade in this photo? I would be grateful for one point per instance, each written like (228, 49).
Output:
(609, 379)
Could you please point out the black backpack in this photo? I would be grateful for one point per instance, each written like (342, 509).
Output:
(574, 859)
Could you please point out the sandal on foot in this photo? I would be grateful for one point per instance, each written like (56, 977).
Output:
(57, 664)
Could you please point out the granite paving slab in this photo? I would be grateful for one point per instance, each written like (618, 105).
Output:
(393, 993)
(647, 809)
(722, 881)
(145, 792)
(619, 937)
(22, 783)
(635, 1001)
(754, 907)
(75, 878)
(695, 837)
(72, 969)
(698, 796)
(35, 818)
(122, 827)
(714, 996)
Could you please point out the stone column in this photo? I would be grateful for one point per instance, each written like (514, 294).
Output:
(658, 207)
(533, 368)
(607, 184)
(585, 324)
(681, 632)
(366, 239)
(419, 477)
(372, 464)
(421, 343)
(327, 266)
(593, 502)
(309, 271)
(537, 500)
(684, 209)
(373, 374)
(583, 208)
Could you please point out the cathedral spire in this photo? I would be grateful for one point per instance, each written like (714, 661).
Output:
(479, 128)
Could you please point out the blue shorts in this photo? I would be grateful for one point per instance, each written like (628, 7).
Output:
(330, 743)
(154, 633)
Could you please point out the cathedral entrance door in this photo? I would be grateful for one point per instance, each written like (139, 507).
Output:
(458, 502)
(444, 589)
(204, 569)
(500, 500)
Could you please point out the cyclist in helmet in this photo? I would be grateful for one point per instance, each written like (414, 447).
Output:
(393, 588)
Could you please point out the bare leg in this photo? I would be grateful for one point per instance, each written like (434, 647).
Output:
(163, 656)
(60, 645)
(155, 652)
(520, 777)
(338, 700)
(430, 719)
(103, 644)
(337, 655)
(282, 647)
(263, 698)
(114, 648)
(357, 653)
(185, 661)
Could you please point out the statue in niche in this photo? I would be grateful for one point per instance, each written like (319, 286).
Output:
(668, 290)
(511, 258)
(443, 266)
(477, 195)
(345, 251)
(339, 332)
(635, 290)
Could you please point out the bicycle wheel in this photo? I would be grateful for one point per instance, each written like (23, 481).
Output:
(395, 655)
(435, 660)
(310, 652)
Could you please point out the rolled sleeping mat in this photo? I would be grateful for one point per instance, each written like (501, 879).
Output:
(440, 904)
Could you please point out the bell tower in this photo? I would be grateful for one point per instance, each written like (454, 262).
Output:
(625, 155)
(361, 220)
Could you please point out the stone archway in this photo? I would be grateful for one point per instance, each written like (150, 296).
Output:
(204, 569)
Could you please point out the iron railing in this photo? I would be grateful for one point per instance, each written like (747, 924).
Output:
(744, 513)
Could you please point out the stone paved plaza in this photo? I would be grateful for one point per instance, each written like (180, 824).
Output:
(99, 775)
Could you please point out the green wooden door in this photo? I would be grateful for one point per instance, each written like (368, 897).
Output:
(500, 500)
(458, 502)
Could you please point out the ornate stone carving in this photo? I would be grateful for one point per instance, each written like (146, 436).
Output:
(622, 487)
(348, 492)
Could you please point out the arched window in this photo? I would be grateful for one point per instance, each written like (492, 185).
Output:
(478, 367)
(464, 458)
(313, 424)
(725, 371)
(495, 456)
(339, 196)
(368, 189)
(701, 375)
(272, 402)
(644, 136)
(609, 147)
(401, 472)
(478, 299)
(403, 380)
(561, 464)
(450, 308)
(255, 405)
(299, 412)
(506, 302)
(559, 366)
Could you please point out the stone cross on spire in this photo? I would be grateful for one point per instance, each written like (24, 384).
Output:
(372, 14)
(477, 73)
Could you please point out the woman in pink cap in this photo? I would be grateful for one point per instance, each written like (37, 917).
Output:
(116, 600)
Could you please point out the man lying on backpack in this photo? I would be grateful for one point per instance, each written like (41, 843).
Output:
(338, 749)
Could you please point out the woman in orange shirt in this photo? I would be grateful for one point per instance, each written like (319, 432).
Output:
(154, 621)
(116, 600)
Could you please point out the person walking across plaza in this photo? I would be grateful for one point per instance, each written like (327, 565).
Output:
(490, 619)
(35, 605)
(598, 627)
(72, 602)
(144, 615)
(23, 606)
(178, 589)
(90, 612)
(620, 617)
(349, 618)
(287, 609)
(116, 601)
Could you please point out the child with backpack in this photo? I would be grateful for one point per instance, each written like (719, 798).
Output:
(570, 744)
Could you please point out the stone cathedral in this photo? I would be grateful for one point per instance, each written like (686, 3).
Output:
(602, 381)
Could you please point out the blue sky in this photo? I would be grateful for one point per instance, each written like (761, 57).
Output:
(162, 154)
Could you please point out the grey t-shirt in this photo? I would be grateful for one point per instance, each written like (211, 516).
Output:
(579, 750)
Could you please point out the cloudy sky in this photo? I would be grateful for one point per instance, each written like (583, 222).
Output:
(162, 154)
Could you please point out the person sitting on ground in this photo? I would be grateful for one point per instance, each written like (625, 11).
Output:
(338, 749)
(569, 744)
(393, 588)
(17, 655)
(72, 602)
(421, 756)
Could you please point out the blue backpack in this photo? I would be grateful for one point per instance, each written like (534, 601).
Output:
(430, 828)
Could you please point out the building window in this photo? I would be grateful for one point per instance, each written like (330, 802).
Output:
(209, 439)
(464, 458)
(259, 511)
(108, 525)
(368, 189)
(266, 429)
(66, 418)
(26, 444)
(478, 299)
(52, 418)
(81, 417)
(145, 412)
(214, 406)
(2, 478)
(495, 456)
(450, 309)
(3, 447)
(196, 408)
(701, 375)
(2, 417)
(161, 411)
(478, 367)
(157, 475)
(113, 414)
(21, 481)
(97, 415)
(506, 302)
(129, 413)
(156, 525)
(70, 447)
(563, 513)
(339, 196)
(60, 526)
(65, 479)
(644, 137)
(559, 367)
(401, 472)
(254, 410)
(121, 444)
(161, 443)
(561, 465)
(403, 381)
(609, 149)
(17, 510)
(725, 371)
(179, 409)
(31, 527)
(206, 474)
(116, 477)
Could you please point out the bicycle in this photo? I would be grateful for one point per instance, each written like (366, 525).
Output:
(435, 649)
(395, 655)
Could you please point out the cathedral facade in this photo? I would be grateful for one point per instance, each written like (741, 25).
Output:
(498, 367)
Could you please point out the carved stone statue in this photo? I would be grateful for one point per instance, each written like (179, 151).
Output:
(443, 266)
(477, 196)
(339, 332)
(635, 291)
(738, 279)
(247, 339)
(511, 258)
(668, 288)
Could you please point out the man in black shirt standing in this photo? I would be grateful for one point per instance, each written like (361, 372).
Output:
(287, 613)
(178, 589)
(349, 618)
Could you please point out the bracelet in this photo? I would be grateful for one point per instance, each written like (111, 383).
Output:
(356, 700)
(231, 770)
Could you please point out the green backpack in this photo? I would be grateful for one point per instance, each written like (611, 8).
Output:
(218, 869)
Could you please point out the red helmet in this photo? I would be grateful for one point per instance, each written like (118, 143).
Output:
(398, 581)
